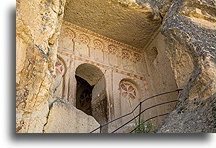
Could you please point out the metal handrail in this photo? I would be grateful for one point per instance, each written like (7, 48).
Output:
(140, 112)
(150, 119)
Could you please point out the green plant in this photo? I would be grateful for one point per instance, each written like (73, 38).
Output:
(144, 127)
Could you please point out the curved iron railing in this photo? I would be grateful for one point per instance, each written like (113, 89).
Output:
(140, 112)
(150, 119)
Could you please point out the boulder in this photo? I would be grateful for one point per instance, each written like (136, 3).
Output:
(65, 118)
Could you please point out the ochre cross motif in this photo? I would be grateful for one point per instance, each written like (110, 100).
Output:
(125, 54)
(70, 33)
(84, 39)
(112, 49)
(98, 44)
(128, 90)
(137, 57)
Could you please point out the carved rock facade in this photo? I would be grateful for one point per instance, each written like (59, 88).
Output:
(55, 58)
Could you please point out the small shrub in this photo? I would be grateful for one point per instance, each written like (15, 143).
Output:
(143, 127)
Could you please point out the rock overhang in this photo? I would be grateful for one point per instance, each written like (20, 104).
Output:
(127, 22)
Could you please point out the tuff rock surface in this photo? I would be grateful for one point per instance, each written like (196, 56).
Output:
(65, 118)
(37, 27)
(189, 28)
(122, 20)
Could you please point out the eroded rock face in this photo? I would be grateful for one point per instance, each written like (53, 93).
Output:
(159, 6)
(189, 28)
(37, 27)
(65, 118)
(192, 117)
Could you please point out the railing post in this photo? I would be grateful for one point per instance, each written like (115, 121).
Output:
(140, 108)
(100, 129)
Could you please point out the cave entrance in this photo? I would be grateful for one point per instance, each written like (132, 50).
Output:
(84, 95)
(91, 95)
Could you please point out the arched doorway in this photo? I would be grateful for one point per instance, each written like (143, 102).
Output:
(91, 95)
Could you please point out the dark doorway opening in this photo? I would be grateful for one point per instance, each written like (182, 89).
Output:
(84, 95)
(91, 95)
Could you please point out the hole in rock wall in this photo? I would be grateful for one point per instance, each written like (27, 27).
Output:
(152, 54)
(84, 95)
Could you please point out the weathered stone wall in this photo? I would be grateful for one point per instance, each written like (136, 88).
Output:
(160, 78)
(189, 28)
(37, 27)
